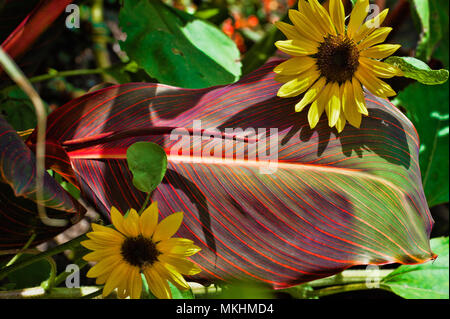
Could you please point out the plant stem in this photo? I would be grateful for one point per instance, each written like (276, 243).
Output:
(54, 293)
(21, 251)
(100, 39)
(68, 73)
(348, 280)
(350, 277)
(81, 263)
(56, 250)
(50, 282)
(144, 206)
(340, 289)
(93, 294)
(21, 80)
(57, 74)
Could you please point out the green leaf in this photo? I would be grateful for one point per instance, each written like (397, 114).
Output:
(246, 290)
(303, 291)
(180, 294)
(261, 50)
(30, 276)
(422, 9)
(17, 109)
(425, 281)
(418, 70)
(428, 109)
(70, 188)
(440, 17)
(178, 48)
(207, 13)
(148, 163)
(146, 293)
(176, 293)
(433, 16)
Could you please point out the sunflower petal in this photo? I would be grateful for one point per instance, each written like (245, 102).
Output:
(357, 16)
(311, 95)
(359, 96)
(173, 275)
(100, 280)
(105, 238)
(90, 244)
(337, 15)
(104, 229)
(115, 279)
(135, 284)
(131, 223)
(178, 246)
(123, 289)
(288, 30)
(299, 84)
(340, 123)
(182, 265)
(104, 266)
(374, 84)
(380, 69)
(323, 17)
(370, 25)
(284, 78)
(297, 47)
(318, 106)
(312, 21)
(375, 37)
(157, 285)
(303, 6)
(295, 65)
(149, 220)
(168, 227)
(333, 105)
(349, 106)
(98, 255)
(117, 220)
(380, 51)
(300, 22)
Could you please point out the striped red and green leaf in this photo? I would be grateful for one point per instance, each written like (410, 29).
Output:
(334, 200)
(18, 213)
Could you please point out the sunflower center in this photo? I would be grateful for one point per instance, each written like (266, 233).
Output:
(337, 58)
(139, 251)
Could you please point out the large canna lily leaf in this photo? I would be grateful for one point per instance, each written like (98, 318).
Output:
(18, 213)
(333, 201)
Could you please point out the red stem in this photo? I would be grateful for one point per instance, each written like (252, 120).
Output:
(34, 24)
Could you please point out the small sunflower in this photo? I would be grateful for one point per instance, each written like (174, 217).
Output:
(332, 61)
(138, 244)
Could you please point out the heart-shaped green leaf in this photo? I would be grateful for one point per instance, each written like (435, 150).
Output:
(148, 163)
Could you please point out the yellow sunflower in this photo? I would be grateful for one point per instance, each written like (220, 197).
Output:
(331, 61)
(138, 244)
